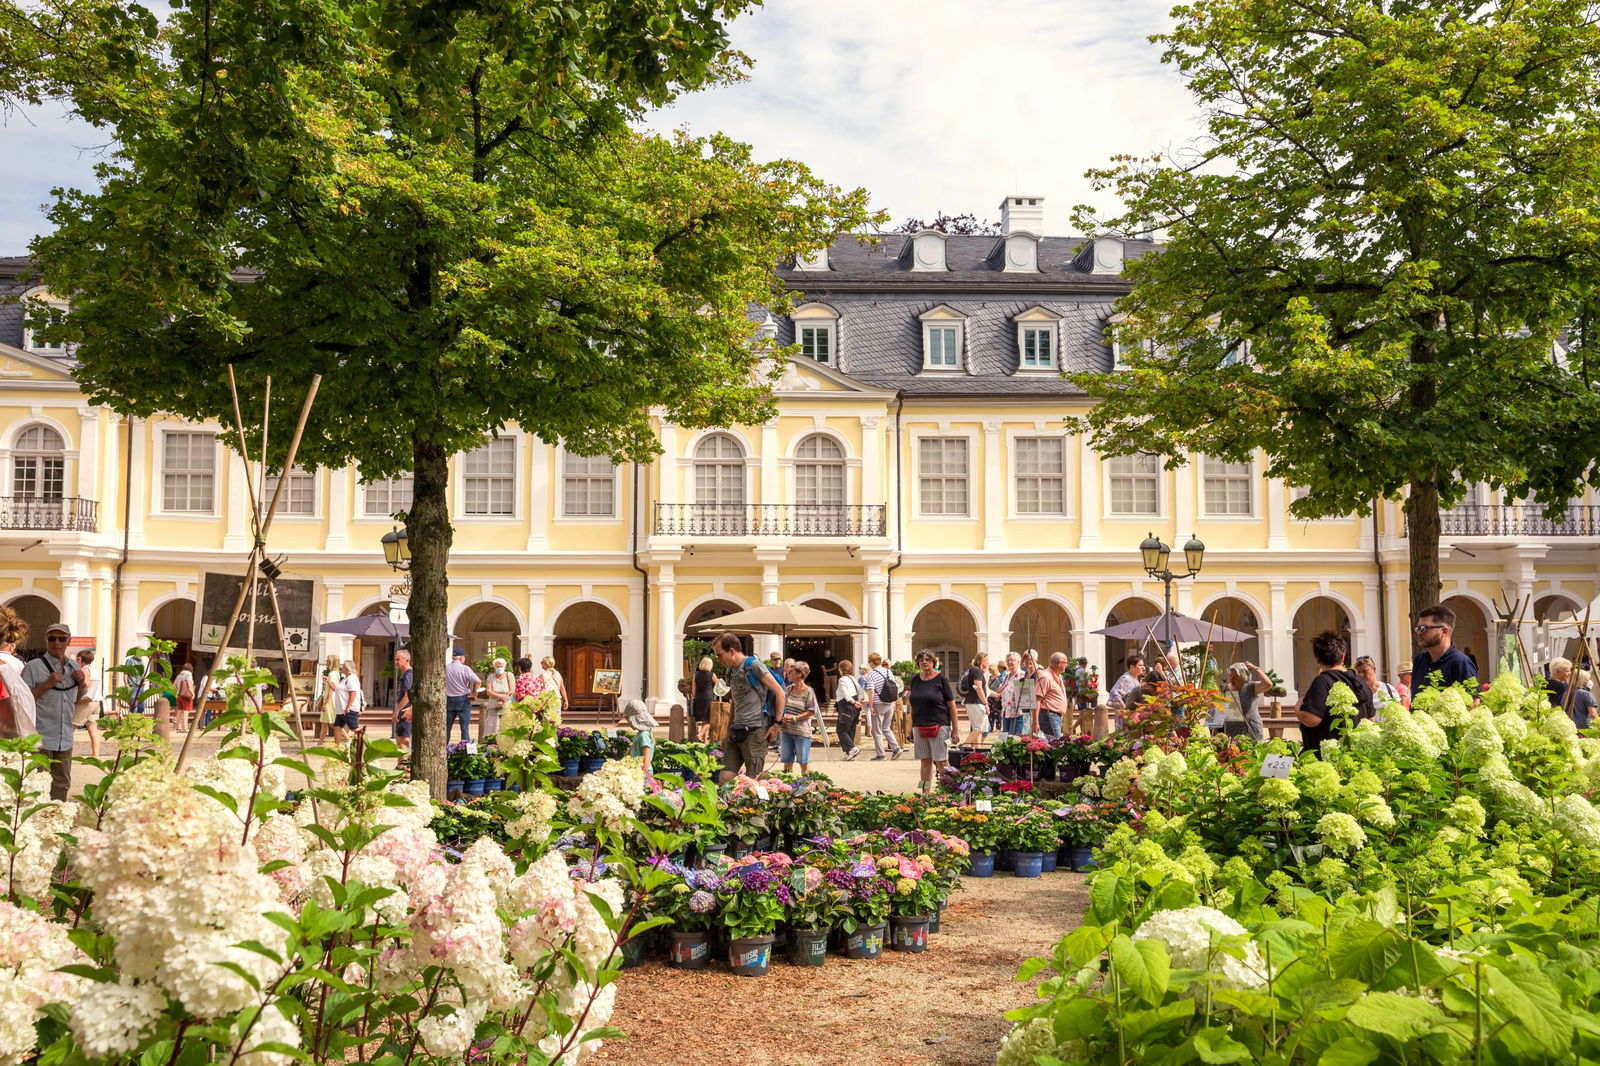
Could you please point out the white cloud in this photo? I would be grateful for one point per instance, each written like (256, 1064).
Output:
(932, 105)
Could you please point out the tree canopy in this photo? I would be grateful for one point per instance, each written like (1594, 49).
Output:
(1372, 258)
(440, 208)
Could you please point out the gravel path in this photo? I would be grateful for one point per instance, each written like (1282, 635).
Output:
(942, 1008)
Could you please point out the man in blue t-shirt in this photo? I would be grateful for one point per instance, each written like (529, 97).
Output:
(402, 703)
(1435, 626)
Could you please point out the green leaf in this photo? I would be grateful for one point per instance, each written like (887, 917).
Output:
(1143, 967)
(1531, 1003)
(1363, 950)
(1349, 1051)
(1216, 1046)
(1030, 968)
(1110, 897)
(1140, 1024)
(1389, 1013)
(1085, 944)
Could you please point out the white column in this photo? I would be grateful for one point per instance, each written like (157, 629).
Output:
(633, 649)
(769, 463)
(536, 643)
(995, 489)
(871, 462)
(994, 640)
(540, 502)
(1089, 509)
(875, 639)
(1365, 635)
(668, 647)
(339, 507)
(1277, 515)
(769, 559)
(898, 632)
(1279, 646)
(236, 504)
(88, 455)
(1090, 620)
(1182, 594)
(73, 601)
(138, 477)
(333, 611)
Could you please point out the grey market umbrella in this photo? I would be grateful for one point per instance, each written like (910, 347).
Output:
(368, 625)
(1179, 627)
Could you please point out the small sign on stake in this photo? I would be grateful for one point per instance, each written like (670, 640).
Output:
(472, 747)
(983, 806)
(1277, 765)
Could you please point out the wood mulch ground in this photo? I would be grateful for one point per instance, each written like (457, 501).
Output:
(944, 1007)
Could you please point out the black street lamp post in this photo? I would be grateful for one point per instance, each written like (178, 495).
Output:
(1156, 555)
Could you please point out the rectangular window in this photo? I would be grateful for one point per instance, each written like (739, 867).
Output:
(1041, 464)
(942, 475)
(39, 477)
(816, 342)
(299, 496)
(1135, 484)
(942, 347)
(1037, 352)
(189, 472)
(489, 478)
(588, 486)
(1227, 487)
(386, 496)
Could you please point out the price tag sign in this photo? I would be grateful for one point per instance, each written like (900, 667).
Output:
(797, 882)
(1277, 765)
(761, 792)
(983, 806)
(613, 733)
(472, 747)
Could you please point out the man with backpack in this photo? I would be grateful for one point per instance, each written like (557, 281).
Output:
(882, 692)
(757, 696)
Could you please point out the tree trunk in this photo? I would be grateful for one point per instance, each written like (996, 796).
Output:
(430, 532)
(1422, 517)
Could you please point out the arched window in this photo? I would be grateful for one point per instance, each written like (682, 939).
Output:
(39, 464)
(819, 478)
(719, 477)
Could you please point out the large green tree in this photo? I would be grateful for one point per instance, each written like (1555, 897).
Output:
(1393, 217)
(441, 208)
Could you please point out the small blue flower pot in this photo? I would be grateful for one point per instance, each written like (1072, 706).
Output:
(569, 767)
(477, 786)
(980, 864)
(1078, 858)
(1049, 862)
(496, 784)
(1027, 863)
(455, 784)
(593, 765)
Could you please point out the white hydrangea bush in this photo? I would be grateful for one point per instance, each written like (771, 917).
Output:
(200, 907)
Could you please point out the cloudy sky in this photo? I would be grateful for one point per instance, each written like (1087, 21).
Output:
(932, 105)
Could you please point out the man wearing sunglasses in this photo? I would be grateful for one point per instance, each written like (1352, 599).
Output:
(1435, 626)
(56, 681)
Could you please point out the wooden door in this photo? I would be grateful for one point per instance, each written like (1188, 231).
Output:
(578, 662)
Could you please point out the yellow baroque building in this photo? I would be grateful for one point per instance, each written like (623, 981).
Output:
(918, 477)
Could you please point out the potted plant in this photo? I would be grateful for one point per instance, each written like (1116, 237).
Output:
(1072, 756)
(689, 904)
(917, 894)
(866, 914)
(1276, 692)
(1081, 829)
(476, 771)
(809, 912)
(1010, 754)
(491, 754)
(457, 764)
(595, 752)
(750, 912)
(1030, 835)
(571, 744)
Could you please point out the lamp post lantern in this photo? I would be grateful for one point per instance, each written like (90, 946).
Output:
(1156, 556)
(397, 548)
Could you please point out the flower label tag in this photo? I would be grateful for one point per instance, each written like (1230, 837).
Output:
(1277, 765)
(472, 747)
(761, 792)
(983, 806)
(797, 882)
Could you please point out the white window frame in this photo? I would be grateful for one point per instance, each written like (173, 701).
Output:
(918, 441)
(823, 318)
(297, 473)
(28, 343)
(944, 318)
(562, 513)
(159, 483)
(1210, 470)
(816, 336)
(1031, 336)
(743, 461)
(1037, 318)
(366, 513)
(1014, 439)
(518, 483)
(800, 463)
(19, 453)
(1133, 516)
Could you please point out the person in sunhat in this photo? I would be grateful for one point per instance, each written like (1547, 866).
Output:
(635, 715)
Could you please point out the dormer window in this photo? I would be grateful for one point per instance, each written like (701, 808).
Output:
(817, 260)
(41, 303)
(1021, 254)
(943, 334)
(927, 250)
(1038, 336)
(816, 331)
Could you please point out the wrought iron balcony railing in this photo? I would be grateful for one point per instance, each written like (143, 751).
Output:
(770, 520)
(1518, 520)
(67, 513)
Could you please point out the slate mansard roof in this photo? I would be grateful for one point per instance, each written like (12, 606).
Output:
(879, 300)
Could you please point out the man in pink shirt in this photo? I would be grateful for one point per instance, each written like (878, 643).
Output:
(1052, 697)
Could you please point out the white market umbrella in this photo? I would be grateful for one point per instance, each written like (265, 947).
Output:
(783, 620)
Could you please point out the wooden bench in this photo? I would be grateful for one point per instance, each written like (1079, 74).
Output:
(1276, 724)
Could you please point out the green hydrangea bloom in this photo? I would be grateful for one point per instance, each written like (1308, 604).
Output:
(1340, 833)
(1466, 814)
(1118, 778)
(1364, 783)
(1376, 813)
(1480, 741)
(1505, 692)
(1578, 821)
(1278, 793)
(1318, 779)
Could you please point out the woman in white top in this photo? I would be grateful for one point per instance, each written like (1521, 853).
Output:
(86, 712)
(847, 697)
(13, 629)
(347, 703)
(1382, 692)
(553, 680)
(498, 686)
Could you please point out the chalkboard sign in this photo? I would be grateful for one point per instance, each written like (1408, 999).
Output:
(295, 598)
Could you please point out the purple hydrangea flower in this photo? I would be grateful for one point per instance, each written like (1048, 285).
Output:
(785, 896)
(756, 879)
(709, 880)
(839, 878)
(702, 902)
(587, 870)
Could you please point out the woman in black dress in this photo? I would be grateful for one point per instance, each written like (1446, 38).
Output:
(700, 703)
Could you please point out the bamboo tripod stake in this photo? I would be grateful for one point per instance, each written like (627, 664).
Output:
(261, 524)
